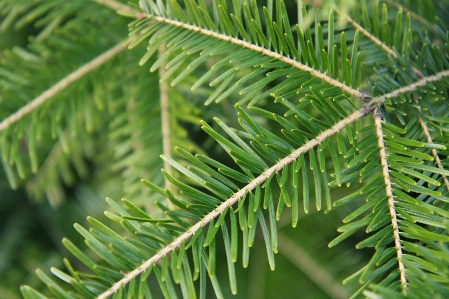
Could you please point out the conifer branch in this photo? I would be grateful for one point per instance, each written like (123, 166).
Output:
(210, 28)
(61, 85)
(434, 151)
(377, 41)
(232, 200)
(411, 87)
(369, 35)
(259, 49)
(306, 263)
(388, 49)
(389, 192)
(165, 118)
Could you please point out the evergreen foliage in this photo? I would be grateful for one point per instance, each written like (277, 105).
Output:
(345, 95)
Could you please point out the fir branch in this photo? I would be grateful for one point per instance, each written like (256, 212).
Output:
(284, 155)
(300, 258)
(233, 199)
(412, 87)
(61, 85)
(387, 49)
(369, 35)
(165, 118)
(376, 41)
(259, 49)
(434, 151)
(389, 192)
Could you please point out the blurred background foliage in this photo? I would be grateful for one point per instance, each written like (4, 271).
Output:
(102, 134)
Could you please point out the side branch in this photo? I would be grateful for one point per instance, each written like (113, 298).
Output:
(434, 151)
(259, 49)
(411, 87)
(429, 140)
(232, 200)
(61, 85)
(377, 41)
(389, 192)
(369, 35)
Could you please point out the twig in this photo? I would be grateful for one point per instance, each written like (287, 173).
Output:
(369, 35)
(389, 192)
(434, 151)
(298, 65)
(377, 41)
(411, 87)
(61, 85)
(259, 49)
(307, 264)
(232, 200)
(294, 63)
